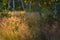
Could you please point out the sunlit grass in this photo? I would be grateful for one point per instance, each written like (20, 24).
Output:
(22, 25)
(17, 26)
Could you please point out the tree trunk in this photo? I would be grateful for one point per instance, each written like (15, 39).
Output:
(30, 5)
(8, 4)
(22, 4)
(13, 5)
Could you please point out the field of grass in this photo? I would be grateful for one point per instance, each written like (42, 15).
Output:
(25, 26)
(17, 26)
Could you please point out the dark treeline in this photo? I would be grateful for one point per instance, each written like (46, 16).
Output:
(31, 5)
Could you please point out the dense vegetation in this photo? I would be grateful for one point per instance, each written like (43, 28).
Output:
(35, 5)
(29, 19)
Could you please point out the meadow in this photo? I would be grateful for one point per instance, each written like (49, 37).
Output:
(22, 25)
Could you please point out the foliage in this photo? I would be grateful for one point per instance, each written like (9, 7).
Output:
(35, 4)
(39, 19)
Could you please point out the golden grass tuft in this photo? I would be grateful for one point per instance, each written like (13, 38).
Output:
(17, 28)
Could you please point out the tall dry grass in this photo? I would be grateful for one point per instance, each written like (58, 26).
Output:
(27, 26)
(19, 26)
